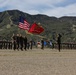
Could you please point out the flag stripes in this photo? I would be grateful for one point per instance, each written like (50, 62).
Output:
(23, 24)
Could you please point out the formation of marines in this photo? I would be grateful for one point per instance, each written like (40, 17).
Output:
(20, 42)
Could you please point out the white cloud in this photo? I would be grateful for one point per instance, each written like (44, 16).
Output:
(45, 2)
(28, 3)
(62, 11)
(47, 7)
(3, 3)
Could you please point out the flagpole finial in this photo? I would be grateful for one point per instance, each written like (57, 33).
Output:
(39, 23)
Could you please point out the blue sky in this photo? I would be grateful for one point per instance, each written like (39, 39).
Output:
(55, 8)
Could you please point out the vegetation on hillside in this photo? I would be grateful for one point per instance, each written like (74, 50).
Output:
(66, 25)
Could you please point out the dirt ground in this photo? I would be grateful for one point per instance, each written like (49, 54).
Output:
(38, 62)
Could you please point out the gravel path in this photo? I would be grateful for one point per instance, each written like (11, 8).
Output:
(38, 62)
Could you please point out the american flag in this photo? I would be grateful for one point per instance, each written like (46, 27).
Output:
(23, 24)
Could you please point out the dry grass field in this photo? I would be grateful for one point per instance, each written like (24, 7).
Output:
(38, 62)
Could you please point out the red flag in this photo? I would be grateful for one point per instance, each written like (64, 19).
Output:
(23, 24)
(36, 29)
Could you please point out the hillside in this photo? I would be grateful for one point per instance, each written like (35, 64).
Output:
(65, 25)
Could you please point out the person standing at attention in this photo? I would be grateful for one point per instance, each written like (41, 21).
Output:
(42, 44)
(14, 41)
(18, 41)
(21, 42)
(25, 42)
(59, 42)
